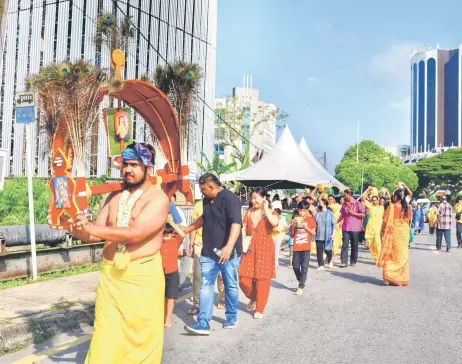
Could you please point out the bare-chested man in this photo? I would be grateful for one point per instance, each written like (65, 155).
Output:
(130, 300)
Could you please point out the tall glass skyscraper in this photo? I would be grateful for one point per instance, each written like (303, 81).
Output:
(436, 99)
(40, 32)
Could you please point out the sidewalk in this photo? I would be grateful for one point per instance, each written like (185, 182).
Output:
(36, 312)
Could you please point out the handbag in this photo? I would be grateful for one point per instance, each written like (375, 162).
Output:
(411, 236)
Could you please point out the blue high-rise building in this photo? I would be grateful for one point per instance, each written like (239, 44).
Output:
(436, 99)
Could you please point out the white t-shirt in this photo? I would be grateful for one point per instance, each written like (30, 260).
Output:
(183, 217)
(276, 205)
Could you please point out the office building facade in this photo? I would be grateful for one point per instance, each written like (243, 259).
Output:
(436, 99)
(41, 32)
(259, 121)
(400, 151)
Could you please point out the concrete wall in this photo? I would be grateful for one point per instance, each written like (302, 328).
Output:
(18, 264)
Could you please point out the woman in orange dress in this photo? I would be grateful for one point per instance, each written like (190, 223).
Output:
(394, 255)
(257, 264)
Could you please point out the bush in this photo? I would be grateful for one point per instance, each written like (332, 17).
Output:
(14, 201)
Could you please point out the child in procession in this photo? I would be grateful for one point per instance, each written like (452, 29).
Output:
(302, 229)
(170, 250)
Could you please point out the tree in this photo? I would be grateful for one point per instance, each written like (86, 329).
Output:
(217, 166)
(441, 172)
(235, 120)
(180, 82)
(381, 169)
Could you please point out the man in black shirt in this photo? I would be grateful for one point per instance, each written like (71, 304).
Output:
(221, 225)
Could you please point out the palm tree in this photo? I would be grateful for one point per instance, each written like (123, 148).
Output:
(217, 166)
(180, 82)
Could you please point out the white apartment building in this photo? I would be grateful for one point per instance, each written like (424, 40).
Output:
(262, 135)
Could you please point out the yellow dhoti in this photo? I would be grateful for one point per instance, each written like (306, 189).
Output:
(129, 313)
(373, 228)
(338, 241)
(375, 244)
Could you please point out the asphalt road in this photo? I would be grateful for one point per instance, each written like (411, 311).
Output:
(345, 316)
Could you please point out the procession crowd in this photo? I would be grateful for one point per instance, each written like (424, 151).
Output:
(139, 277)
(319, 224)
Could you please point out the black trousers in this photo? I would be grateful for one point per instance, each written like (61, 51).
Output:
(300, 262)
(459, 233)
(320, 244)
(350, 238)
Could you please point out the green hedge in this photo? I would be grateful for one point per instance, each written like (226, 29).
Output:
(14, 207)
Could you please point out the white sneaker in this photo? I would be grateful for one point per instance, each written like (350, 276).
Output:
(331, 265)
(299, 292)
(257, 315)
(321, 267)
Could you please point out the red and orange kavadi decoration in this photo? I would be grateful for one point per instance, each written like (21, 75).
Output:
(69, 96)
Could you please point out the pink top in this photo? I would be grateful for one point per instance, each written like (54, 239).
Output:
(352, 223)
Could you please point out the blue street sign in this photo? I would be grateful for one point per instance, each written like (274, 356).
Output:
(25, 115)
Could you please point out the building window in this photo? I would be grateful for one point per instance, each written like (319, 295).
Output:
(431, 103)
(451, 100)
(219, 134)
(414, 106)
(218, 150)
(421, 126)
(246, 116)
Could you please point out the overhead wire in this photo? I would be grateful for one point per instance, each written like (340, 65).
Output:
(115, 2)
(197, 94)
(165, 22)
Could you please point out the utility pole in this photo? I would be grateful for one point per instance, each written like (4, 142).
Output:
(357, 147)
(325, 160)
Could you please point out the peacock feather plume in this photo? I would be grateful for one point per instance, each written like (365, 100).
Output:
(69, 93)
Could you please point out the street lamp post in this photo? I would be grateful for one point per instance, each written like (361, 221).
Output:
(357, 147)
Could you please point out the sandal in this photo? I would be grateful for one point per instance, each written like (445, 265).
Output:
(221, 305)
(251, 306)
(193, 311)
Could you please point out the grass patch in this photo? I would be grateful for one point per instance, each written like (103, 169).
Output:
(10, 283)
(8, 350)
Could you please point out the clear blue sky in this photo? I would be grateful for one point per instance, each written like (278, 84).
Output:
(331, 63)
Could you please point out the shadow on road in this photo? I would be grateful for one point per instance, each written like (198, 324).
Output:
(75, 354)
(359, 278)
(278, 285)
(416, 248)
(366, 261)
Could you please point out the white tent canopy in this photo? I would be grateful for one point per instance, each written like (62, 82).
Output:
(306, 150)
(285, 166)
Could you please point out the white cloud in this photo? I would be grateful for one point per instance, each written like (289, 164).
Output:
(393, 64)
(312, 79)
(403, 105)
(326, 80)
